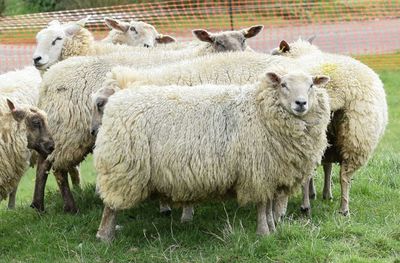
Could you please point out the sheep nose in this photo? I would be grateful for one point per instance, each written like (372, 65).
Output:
(93, 132)
(50, 146)
(301, 103)
(146, 45)
(37, 59)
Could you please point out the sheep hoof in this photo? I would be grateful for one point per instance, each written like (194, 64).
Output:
(263, 232)
(70, 210)
(344, 213)
(38, 208)
(186, 219)
(104, 238)
(327, 197)
(305, 210)
(313, 196)
(166, 212)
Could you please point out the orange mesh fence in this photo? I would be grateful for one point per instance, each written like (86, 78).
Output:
(369, 30)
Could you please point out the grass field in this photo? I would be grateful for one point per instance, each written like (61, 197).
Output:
(221, 232)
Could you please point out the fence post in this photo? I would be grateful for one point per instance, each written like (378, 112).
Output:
(231, 13)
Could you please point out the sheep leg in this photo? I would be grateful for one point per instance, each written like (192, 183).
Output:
(42, 172)
(62, 181)
(327, 192)
(262, 225)
(270, 216)
(165, 209)
(187, 214)
(306, 206)
(312, 192)
(280, 206)
(106, 232)
(75, 178)
(11, 198)
(345, 181)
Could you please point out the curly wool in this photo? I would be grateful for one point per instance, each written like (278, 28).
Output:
(21, 87)
(67, 87)
(193, 143)
(357, 91)
(222, 68)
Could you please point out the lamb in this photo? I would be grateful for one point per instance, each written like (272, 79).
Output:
(359, 107)
(61, 41)
(134, 33)
(188, 144)
(23, 128)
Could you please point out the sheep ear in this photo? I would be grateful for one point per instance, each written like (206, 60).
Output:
(71, 29)
(284, 46)
(116, 24)
(164, 39)
(54, 23)
(252, 31)
(18, 115)
(84, 21)
(311, 38)
(203, 35)
(273, 78)
(320, 80)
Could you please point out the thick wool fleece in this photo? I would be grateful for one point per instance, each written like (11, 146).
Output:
(21, 87)
(194, 143)
(357, 92)
(222, 68)
(67, 87)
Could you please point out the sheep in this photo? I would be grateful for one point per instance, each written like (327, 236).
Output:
(232, 68)
(60, 41)
(23, 128)
(193, 143)
(67, 86)
(359, 109)
(134, 33)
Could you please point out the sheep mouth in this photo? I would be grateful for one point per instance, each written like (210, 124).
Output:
(299, 111)
(40, 66)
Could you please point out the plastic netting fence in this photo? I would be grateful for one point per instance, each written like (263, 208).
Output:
(369, 30)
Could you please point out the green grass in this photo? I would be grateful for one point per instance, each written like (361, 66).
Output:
(221, 232)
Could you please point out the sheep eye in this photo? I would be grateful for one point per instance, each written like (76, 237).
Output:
(284, 86)
(311, 86)
(243, 41)
(220, 44)
(55, 40)
(36, 123)
(133, 29)
(100, 104)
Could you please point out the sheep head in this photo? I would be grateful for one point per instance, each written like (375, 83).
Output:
(296, 90)
(228, 40)
(37, 130)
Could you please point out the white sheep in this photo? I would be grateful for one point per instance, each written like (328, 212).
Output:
(23, 128)
(194, 143)
(67, 87)
(134, 33)
(61, 41)
(358, 103)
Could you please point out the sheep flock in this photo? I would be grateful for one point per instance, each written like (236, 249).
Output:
(186, 122)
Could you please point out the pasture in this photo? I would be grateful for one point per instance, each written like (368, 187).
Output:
(220, 232)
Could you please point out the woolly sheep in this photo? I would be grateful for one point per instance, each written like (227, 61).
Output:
(193, 143)
(67, 86)
(134, 33)
(60, 41)
(359, 107)
(23, 128)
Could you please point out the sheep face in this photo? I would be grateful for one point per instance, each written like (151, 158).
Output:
(99, 101)
(295, 49)
(50, 42)
(37, 131)
(296, 90)
(228, 40)
(136, 33)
